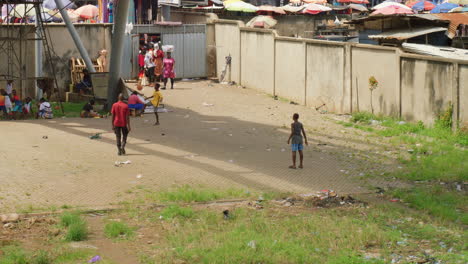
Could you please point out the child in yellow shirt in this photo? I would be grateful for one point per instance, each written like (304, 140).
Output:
(157, 99)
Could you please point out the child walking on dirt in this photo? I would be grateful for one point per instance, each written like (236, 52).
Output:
(296, 141)
(157, 99)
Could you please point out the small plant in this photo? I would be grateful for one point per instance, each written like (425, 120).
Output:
(116, 229)
(67, 219)
(77, 232)
(13, 255)
(445, 118)
(373, 83)
(42, 257)
(174, 211)
(362, 117)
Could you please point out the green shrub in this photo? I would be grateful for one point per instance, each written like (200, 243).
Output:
(41, 257)
(362, 117)
(67, 219)
(77, 232)
(174, 211)
(13, 255)
(116, 229)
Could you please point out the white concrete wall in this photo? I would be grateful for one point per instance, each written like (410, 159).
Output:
(290, 71)
(257, 74)
(463, 94)
(325, 77)
(426, 89)
(228, 43)
(383, 65)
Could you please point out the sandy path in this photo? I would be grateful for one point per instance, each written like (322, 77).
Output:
(239, 141)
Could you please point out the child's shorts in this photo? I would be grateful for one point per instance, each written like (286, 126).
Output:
(296, 147)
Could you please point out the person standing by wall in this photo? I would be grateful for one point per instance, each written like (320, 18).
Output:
(158, 61)
(169, 70)
(149, 65)
(121, 123)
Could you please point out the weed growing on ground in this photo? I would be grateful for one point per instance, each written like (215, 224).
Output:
(69, 218)
(187, 193)
(173, 211)
(77, 229)
(13, 255)
(115, 229)
(436, 154)
(41, 257)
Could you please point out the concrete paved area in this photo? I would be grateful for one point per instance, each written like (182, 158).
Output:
(238, 141)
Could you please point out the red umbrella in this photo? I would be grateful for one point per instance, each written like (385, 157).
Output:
(392, 10)
(87, 11)
(360, 2)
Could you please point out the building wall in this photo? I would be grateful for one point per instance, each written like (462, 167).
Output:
(426, 89)
(313, 73)
(94, 37)
(290, 72)
(381, 63)
(257, 73)
(228, 43)
(325, 81)
(463, 94)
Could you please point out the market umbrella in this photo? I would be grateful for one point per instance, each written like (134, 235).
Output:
(314, 9)
(392, 10)
(46, 17)
(228, 2)
(262, 21)
(25, 10)
(389, 3)
(422, 6)
(269, 8)
(443, 8)
(292, 9)
(459, 9)
(241, 7)
(354, 1)
(315, 1)
(459, 2)
(87, 11)
(50, 4)
(360, 8)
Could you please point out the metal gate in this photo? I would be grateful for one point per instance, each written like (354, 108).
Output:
(189, 43)
(189, 50)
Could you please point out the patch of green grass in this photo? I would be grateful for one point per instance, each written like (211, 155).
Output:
(13, 255)
(77, 232)
(173, 211)
(278, 236)
(188, 193)
(69, 218)
(77, 229)
(362, 117)
(437, 201)
(115, 229)
(41, 257)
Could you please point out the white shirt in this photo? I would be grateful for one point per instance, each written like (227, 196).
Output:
(27, 106)
(149, 60)
(8, 102)
(44, 106)
(9, 88)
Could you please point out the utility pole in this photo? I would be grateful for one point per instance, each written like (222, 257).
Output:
(117, 51)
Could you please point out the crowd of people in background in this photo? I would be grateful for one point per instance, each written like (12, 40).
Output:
(13, 107)
(156, 65)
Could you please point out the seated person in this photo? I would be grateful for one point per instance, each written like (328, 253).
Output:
(88, 110)
(18, 104)
(135, 103)
(85, 86)
(45, 110)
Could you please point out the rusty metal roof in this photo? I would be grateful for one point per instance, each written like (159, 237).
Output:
(455, 19)
(403, 34)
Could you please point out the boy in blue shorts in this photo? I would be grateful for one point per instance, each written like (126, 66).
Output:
(296, 141)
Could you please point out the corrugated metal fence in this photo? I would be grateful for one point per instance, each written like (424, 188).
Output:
(189, 43)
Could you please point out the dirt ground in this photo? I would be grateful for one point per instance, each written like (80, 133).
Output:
(214, 135)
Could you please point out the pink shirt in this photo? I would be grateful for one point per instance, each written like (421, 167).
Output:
(133, 99)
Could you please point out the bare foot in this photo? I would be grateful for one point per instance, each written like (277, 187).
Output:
(156, 124)
(292, 167)
(301, 167)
